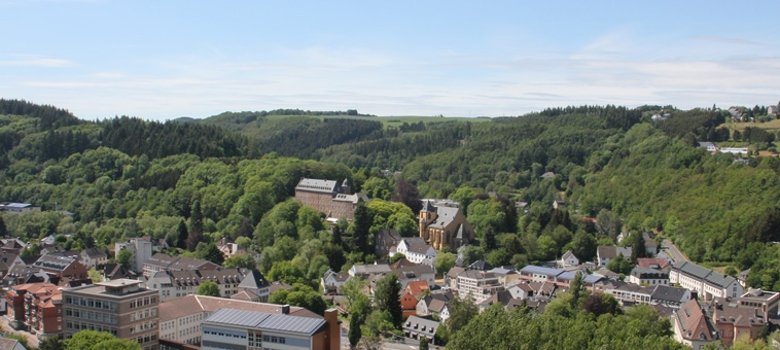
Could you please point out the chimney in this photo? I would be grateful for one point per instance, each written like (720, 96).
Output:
(333, 329)
(286, 309)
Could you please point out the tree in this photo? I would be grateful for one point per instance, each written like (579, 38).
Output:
(354, 333)
(210, 252)
(620, 265)
(407, 193)
(125, 258)
(576, 289)
(444, 262)
(423, 343)
(196, 227)
(461, 312)
(94, 340)
(208, 288)
(638, 247)
(3, 229)
(359, 229)
(300, 295)
(601, 303)
(386, 297)
(182, 235)
(94, 275)
(51, 343)
(240, 261)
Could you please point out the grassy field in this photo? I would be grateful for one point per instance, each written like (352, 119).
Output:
(391, 121)
(772, 125)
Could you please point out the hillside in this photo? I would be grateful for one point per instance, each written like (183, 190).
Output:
(124, 177)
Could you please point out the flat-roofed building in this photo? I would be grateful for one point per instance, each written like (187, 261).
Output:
(242, 329)
(180, 318)
(121, 307)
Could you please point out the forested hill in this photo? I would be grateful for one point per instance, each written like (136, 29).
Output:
(618, 166)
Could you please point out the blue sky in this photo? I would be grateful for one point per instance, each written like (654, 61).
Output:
(166, 59)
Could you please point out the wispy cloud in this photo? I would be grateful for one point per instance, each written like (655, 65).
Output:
(17, 60)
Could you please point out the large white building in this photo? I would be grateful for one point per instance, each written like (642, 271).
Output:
(479, 285)
(707, 283)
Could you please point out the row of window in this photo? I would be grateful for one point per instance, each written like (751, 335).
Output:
(74, 327)
(89, 302)
(145, 301)
(92, 316)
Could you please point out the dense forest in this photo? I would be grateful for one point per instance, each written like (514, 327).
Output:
(193, 182)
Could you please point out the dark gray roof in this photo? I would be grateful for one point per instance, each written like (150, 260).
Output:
(668, 293)
(264, 320)
(413, 321)
(705, 274)
(416, 245)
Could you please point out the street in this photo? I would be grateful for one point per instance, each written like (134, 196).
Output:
(673, 252)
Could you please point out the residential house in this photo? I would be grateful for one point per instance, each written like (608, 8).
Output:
(568, 259)
(93, 257)
(443, 224)
(180, 318)
(408, 272)
(408, 304)
(418, 289)
(7, 262)
(654, 263)
(707, 283)
(335, 200)
(691, 326)
(256, 288)
(386, 242)
(12, 245)
(606, 253)
(331, 281)
(366, 270)
(163, 262)
(418, 328)
(61, 265)
(416, 250)
(645, 276)
(737, 151)
(506, 274)
(229, 249)
(501, 297)
(435, 305)
(243, 329)
(521, 290)
(451, 277)
(709, 146)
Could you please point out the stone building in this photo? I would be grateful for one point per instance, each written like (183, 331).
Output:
(328, 197)
(443, 224)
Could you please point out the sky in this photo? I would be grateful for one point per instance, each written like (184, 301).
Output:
(167, 59)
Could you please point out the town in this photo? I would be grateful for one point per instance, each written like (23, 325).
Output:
(178, 302)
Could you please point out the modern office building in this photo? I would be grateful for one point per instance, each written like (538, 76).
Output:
(121, 307)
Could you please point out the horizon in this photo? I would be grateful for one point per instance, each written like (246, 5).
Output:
(162, 61)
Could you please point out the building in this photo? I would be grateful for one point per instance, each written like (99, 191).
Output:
(242, 329)
(558, 277)
(709, 146)
(707, 283)
(766, 301)
(93, 257)
(164, 262)
(416, 251)
(10, 344)
(36, 305)
(180, 318)
(644, 276)
(62, 265)
(627, 293)
(141, 249)
(669, 296)
(737, 151)
(443, 224)
(692, 327)
(568, 259)
(18, 208)
(734, 320)
(366, 270)
(478, 285)
(121, 307)
(606, 253)
(172, 284)
(331, 281)
(418, 328)
(328, 197)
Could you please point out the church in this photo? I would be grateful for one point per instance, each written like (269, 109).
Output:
(443, 224)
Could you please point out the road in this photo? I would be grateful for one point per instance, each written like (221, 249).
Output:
(673, 252)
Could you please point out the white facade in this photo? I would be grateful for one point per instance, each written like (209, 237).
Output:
(479, 286)
(705, 288)
(141, 249)
(416, 257)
